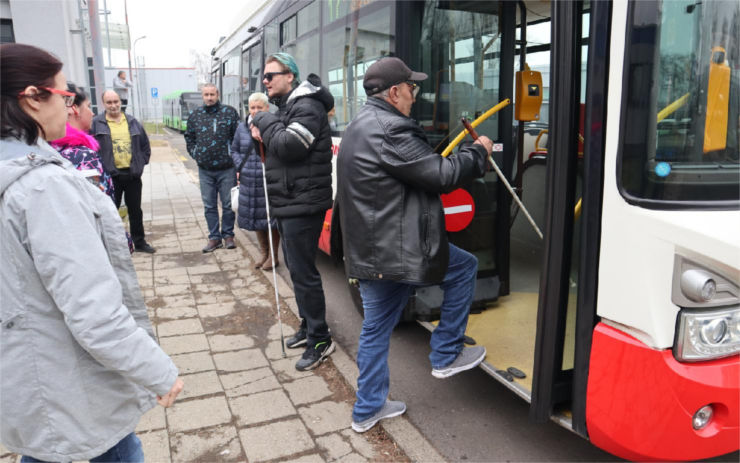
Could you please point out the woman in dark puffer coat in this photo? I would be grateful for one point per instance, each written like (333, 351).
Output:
(252, 213)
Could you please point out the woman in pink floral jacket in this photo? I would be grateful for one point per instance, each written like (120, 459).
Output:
(81, 149)
(78, 147)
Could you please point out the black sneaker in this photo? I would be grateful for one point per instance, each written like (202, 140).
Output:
(297, 340)
(313, 356)
(145, 247)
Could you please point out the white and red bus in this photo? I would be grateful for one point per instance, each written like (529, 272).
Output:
(624, 319)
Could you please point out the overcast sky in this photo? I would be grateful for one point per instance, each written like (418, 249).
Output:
(174, 27)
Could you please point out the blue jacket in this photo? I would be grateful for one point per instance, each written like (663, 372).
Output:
(209, 134)
(252, 214)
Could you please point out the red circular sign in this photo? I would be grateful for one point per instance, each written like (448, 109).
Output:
(459, 210)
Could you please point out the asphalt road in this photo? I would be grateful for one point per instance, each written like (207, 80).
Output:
(469, 417)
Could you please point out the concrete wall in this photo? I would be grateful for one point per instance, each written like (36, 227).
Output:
(54, 26)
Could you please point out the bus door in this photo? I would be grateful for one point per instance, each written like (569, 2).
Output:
(466, 49)
(574, 176)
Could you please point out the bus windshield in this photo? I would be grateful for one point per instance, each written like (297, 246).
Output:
(191, 101)
(688, 53)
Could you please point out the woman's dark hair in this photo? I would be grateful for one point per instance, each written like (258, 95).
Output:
(119, 73)
(80, 95)
(21, 66)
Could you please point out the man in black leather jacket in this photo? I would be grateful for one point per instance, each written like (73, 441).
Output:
(298, 158)
(388, 207)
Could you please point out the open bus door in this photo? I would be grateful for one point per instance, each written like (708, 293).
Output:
(559, 391)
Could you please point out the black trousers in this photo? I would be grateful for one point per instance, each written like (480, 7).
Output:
(300, 239)
(127, 185)
(124, 103)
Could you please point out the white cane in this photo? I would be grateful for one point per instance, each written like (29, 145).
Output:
(501, 176)
(272, 249)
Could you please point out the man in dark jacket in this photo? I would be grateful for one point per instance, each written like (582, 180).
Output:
(298, 170)
(208, 137)
(124, 150)
(388, 204)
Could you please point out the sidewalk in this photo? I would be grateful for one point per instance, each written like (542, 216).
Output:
(216, 316)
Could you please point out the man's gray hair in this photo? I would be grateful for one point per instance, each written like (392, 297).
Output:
(259, 97)
(382, 95)
(209, 84)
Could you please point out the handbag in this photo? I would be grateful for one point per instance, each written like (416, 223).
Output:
(235, 199)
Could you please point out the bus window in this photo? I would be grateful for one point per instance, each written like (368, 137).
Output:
(300, 38)
(460, 50)
(460, 53)
(691, 52)
(191, 101)
(351, 44)
(255, 70)
(231, 80)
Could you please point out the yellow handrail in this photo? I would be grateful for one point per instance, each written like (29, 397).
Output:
(671, 108)
(475, 124)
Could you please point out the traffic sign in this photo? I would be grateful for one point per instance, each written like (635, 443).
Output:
(459, 210)
(155, 92)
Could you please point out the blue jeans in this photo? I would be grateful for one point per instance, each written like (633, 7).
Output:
(383, 302)
(127, 450)
(215, 183)
(300, 238)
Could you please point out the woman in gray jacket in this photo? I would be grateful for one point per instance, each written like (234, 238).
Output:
(78, 361)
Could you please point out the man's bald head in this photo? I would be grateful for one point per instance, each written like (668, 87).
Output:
(112, 103)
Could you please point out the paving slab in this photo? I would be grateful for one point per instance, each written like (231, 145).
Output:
(198, 413)
(220, 443)
(156, 445)
(194, 362)
(201, 269)
(274, 351)
(216, 310)
(249, 382)
(183, 344)
(285, 369)
(251, 409)
(174, 313)
(359, 443)
(334, 445)
(313, 458)
(224, 343)
(172, 290)
(245, 359)
(153, 419)
(200, 384)
(180, 327)
(325, 417)
(354, 458)
(269, 442)
(307, 390)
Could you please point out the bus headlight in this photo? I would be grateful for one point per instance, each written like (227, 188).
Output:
(707, 334)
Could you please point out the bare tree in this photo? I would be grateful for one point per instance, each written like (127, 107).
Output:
(202, 63)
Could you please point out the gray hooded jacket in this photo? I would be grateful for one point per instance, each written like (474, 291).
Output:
(78, 361)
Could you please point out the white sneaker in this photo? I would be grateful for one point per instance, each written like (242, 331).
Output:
(390, 409)
(469, 357)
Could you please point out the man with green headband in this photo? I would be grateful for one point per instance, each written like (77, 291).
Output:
(298, 167)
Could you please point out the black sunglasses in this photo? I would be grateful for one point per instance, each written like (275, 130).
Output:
(269, 75)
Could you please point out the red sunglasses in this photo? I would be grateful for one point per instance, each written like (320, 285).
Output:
(69, 97)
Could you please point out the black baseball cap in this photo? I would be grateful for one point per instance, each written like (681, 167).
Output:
(387, 72)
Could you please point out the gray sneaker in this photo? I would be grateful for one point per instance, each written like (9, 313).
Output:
(469, 357)
(390, 409)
